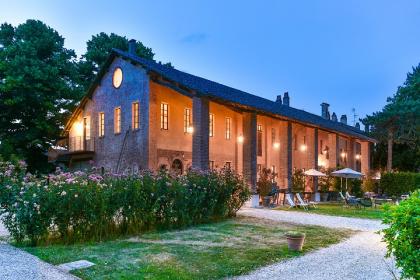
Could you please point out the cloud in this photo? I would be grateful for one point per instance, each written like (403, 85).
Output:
(194, 38)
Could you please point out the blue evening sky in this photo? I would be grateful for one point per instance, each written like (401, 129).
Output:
(347, 53)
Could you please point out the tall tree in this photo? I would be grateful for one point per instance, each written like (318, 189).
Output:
(399, 122)
(97, 52)
(38, 88)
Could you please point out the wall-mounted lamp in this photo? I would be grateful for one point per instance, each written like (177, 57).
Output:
(190, 130)
(343, 154)
(276, 145)
(303, 148)
(357, 156)
(240, 139)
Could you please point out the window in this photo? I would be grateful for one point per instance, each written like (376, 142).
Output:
(259, 169)
(135, 116)
(228, 165)
(211, 125)
(295, 142)
(187, 120)
(117, 77)
(228, 125)
(273, 135)
(117, 120)
(304, 140)
(259, 140)
(86, 128)
(320, 147)
(164, 116)
(211, 165)
(101, 124)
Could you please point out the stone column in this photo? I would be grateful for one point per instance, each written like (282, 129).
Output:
(351, 154)
(289, 156)
(250, 154)
(365, 157)
(337, 150)
(200, 141)
(315, 179)
(148, 127)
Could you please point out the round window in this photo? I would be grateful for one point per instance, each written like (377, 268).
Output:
(117, 77)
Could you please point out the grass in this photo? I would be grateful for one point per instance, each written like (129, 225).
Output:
(337, 209)
(209, 251)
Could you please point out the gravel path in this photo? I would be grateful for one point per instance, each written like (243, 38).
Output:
(16, 264)
(313, 219)
(359, 257)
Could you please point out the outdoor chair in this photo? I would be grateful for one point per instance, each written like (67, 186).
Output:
(348, 196)
(343, 198)
(290, 201)
(308, 203)
(300, 203)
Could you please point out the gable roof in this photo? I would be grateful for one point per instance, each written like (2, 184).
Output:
(214, 90)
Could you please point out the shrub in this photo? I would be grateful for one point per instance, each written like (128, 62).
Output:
(398, 183)
(403, 234)
(298, 181)
(82, 206)
(265, 182)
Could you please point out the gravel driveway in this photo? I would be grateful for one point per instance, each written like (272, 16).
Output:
(359, 257)
(16, 264)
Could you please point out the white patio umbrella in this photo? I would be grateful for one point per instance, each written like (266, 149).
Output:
(347, 173)
(314, 172)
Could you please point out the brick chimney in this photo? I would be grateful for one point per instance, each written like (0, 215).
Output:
(324, 110)
(286, 99)
(343, 119)
(334, 117)
(278, 99)
(357, 125)
(132, 46)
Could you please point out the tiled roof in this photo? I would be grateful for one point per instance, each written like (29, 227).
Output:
(228, 94)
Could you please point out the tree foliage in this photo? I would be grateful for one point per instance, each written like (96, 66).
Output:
(98, 49)
(38, 88)
(399, 122)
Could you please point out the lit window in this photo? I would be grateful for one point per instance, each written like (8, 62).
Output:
(211, 125)
(228, 130)
(101, 124)
(259, 140)
(117, 77)
(135, 116)
(321, 146)
(164, 116)
(187, 120)
(117, 120)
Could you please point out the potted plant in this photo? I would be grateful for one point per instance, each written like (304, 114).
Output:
(295, 240)
(264, 185)
(325, 183)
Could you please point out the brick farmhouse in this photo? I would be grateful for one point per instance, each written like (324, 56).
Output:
(139, 114)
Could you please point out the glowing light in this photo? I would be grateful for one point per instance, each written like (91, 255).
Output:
(276, 145)
(78, 128)
(357, 156)
(240, 139)
(343, 154)
(117, 77)
(303, 148)
(190, 130)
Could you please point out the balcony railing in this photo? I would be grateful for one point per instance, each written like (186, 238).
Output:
(79, 143)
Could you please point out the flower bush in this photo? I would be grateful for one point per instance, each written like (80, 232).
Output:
(82, 206)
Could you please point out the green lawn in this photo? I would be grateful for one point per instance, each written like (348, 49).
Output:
(337, 209)
(209, 251)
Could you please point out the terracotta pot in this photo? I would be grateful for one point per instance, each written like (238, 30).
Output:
(295, 243)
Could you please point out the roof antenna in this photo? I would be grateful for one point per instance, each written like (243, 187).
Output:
(353, 110)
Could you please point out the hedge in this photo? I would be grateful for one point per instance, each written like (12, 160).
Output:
(398, 183)
(85, 206)
(403, 235)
